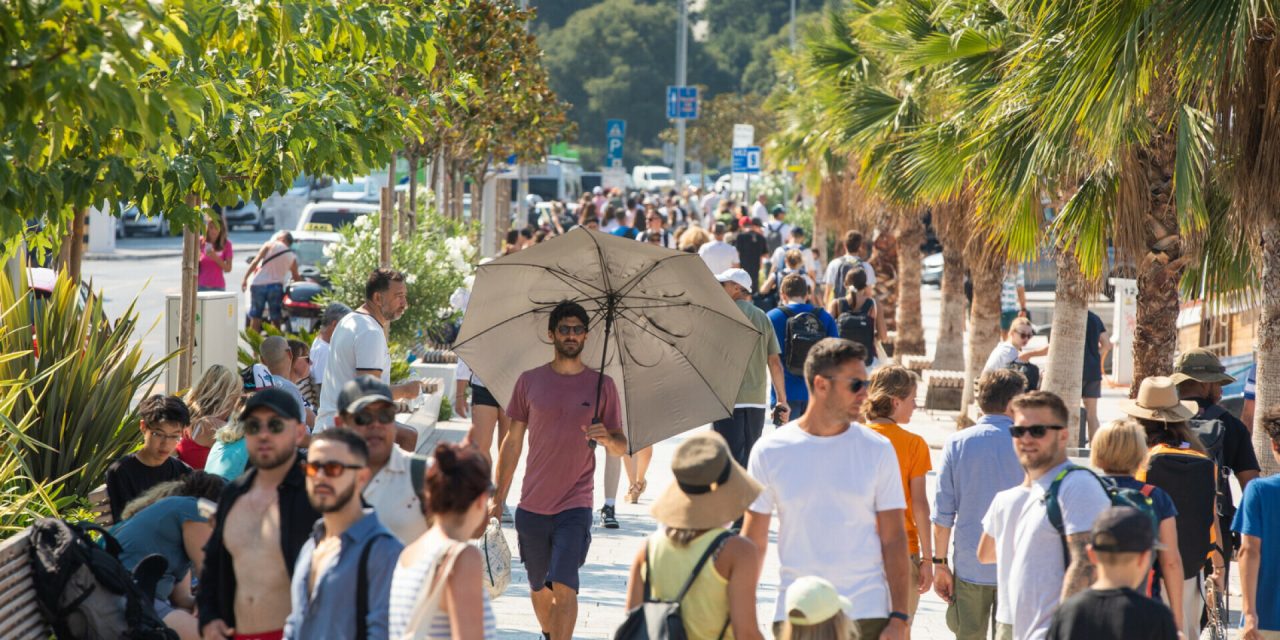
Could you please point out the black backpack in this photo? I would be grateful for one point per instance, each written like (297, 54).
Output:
(1191, 480)
(859, 326)
(83, 590)
(1029, 371)
(773, 237)
(1213, 434)
(660, 619)
(803, 331)
(847, 264)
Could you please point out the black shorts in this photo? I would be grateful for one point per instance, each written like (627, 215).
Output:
(554, 547)
(1091, 389)
(482, 397)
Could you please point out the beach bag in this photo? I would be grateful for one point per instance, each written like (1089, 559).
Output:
(660, 619)
(497, 558)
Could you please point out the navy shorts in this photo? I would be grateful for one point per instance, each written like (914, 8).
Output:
(553, 548)
(1092, 389)
(482, 397)
(268, 298)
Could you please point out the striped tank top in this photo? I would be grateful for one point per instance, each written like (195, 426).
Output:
(409, 581)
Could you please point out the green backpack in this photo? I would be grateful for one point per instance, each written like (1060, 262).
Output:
(1120, 497)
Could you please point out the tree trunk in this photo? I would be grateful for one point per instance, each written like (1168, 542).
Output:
(1066, 349)
(76, 256)
(442, 189)
(1268, 351)
(187, 306)
(951, 221)
(884, 259)
(386, 218)
(1155, 340)
(985, 271)
(413, 193)
(910, 339)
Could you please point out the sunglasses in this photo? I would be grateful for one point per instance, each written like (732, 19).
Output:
(855, 384)
(571, 329)
(1026, 334)
(331, 468)
(275, 425)
(366, 418)
(1036, 430)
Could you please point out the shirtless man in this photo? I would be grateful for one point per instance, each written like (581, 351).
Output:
(264, 518)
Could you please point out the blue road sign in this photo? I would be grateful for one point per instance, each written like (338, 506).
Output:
(746, 160)
(682, 103)
(614, 132)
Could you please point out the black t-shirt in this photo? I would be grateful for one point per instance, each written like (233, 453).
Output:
(1093, 331)
(128, 477)
(751, 248)
(1112, 614)
(1237, 451)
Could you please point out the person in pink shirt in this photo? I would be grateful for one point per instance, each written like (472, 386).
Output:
(215, 256)
(555, 404)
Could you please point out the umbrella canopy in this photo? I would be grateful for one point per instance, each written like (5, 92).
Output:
(677, 345)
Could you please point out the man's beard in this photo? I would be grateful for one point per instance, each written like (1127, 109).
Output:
(568, 350)
(340, 501)
(275, 462)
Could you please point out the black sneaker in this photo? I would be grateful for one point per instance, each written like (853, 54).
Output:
(607, 519)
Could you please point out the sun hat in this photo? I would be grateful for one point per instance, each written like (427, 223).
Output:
(710, 488)
(812, 600)
(735, 275)
(1158, 400)
(1200, 365)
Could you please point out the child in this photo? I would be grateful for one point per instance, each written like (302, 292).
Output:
(815, 611)
(1123, 539)
(163, 420)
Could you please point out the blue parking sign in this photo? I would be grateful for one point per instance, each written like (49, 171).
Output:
(614, 133)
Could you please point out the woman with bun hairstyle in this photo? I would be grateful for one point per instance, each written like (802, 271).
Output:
(437, 591)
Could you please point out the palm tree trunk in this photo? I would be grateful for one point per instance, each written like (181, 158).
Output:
(1066, 349)
(1268, 346)
(910, 340)
(951, 219)
(985, 272)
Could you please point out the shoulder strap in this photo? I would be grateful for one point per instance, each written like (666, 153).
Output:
(436, 581)
(788, 311)
(1147, 489)
(273, 257)
(1054, 510)
(362, 589)
(706, 555)
(844, 306)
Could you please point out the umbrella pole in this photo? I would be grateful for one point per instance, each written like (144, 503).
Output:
(604, 355)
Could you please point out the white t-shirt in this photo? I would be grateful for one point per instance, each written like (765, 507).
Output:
(1029, 561)
(826, 492)
(810, 265)
(761, 212)
(319, 356)
(357, 343)
(391, 495)
(1002, 356)
(720, 256)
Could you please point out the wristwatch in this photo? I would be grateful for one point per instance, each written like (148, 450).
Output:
(899, 615)
(937, 560)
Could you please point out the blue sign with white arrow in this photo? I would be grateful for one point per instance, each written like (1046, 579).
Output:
(746, 160)
(614, 132)
(682, 103)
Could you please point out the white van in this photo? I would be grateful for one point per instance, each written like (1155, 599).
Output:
(653, 178)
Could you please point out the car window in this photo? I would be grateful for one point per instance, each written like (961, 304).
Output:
(331, 219)
(310, 252)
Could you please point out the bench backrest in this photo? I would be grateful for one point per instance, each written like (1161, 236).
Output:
(100, 505)
(20, 617)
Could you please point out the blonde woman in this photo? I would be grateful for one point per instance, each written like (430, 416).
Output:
(1014, 346)
(815, 611)
(210, 402)
(890, 403)
(1119, 450)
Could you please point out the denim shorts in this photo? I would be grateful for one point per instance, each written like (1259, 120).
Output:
(268, 297)
(554, 547)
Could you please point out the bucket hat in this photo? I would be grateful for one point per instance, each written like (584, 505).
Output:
(1200, 365)
(1158, 400)
(710, 488)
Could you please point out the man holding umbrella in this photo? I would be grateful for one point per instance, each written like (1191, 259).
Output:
(556, 404)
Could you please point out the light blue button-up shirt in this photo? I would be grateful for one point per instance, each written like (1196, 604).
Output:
(977, 463)
(329, 610)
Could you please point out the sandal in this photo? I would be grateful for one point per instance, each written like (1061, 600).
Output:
(637, 488)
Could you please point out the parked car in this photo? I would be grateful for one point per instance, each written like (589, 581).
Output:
(308, 247)
(653, 178)
(247, 214)
(332, 216)
(358, 189)
(932, 272)
(133, 222)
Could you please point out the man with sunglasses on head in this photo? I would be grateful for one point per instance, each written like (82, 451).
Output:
(838, 494)
(556, 405)
(349, 551)
(369, 411)
(1036, 566)
(264, 518)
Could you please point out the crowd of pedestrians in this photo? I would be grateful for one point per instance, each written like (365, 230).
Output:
(289, 503)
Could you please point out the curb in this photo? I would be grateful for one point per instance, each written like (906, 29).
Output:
(134, 255)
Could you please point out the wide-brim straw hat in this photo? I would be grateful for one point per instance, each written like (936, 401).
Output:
(710, 488)
(1158, 400)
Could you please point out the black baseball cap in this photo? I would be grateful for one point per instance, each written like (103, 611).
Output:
(276, 399)
(361, 392)
(1124, 530)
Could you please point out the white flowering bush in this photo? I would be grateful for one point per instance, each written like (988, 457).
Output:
(436, 260)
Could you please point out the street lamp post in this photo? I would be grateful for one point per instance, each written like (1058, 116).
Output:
(682, 54)
(793, 26)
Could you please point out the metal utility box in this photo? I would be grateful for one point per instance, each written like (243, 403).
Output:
(216, 335)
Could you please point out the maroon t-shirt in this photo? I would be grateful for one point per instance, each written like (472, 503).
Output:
(560, 470)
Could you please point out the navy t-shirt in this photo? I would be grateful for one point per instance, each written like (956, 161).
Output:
(1093, 331)
(1160, 501)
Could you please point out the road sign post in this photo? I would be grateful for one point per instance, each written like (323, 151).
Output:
(744, 136)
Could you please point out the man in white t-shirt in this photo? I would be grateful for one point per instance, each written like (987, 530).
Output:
(839, 268)
(719, 255)
(333, 314)
(760, 208)
(1030, 554)
(359, 344)
(836, 488)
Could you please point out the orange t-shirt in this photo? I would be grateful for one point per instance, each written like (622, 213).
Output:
(913, 462)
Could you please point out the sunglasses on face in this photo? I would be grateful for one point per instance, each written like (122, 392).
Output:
(1036, 430)
(330, 468)
(1026, 334)
(366, 418)
(855, 384)
(275, 425)
(571, 329)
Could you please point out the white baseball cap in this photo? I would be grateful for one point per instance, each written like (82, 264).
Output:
(735, 275)
(597, 190)
(812, 600)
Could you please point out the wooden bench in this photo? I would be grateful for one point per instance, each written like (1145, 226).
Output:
(100, 505)
(943, 390)
(20, 617)
(918, 364)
